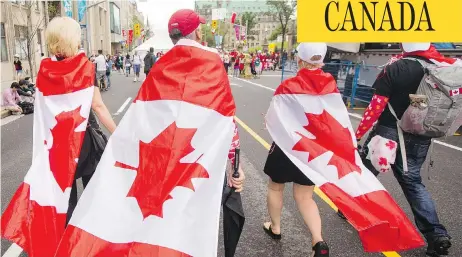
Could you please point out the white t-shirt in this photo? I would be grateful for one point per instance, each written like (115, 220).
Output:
(136, 60)
(100, 61)
(226, 58)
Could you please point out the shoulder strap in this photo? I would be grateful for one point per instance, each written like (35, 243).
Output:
(400, 138)
(422, 62)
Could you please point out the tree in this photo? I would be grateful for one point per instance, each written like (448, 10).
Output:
(249, 19)
(283, 10)
(207, 35)
(28, 33)
(274, 35)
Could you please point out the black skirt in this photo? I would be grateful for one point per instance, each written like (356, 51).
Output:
(282, 170)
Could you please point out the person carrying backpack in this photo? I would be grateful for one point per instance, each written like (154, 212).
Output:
(409, 117)
(149, 61)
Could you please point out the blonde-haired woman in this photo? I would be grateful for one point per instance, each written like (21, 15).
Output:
(63, 42)
(281, 170)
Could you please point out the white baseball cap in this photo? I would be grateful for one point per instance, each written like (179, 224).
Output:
(413, 47)
(313, 53)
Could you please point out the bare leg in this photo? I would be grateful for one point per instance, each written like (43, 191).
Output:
(308, 208)
(274, 201)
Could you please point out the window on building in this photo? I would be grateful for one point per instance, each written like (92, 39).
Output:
(20, 41)
(3, 43)
(100, 16)
(115, 19)
(37, 5)
(14, 1)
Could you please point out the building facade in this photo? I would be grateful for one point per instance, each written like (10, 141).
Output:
(124, 16)
(16, 32)
(101, 21)
(266, 22)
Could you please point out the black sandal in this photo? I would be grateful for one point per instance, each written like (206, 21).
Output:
(270, 233)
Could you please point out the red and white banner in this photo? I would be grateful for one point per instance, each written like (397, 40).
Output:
(455, 92)
(130, 36)
(158, 187)
(35, 217)
(308, 120)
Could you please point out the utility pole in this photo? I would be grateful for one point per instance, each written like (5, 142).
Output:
(247, 33)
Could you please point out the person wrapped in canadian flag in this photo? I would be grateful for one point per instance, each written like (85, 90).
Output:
(35, 218)
(313, 135)
(158, 188)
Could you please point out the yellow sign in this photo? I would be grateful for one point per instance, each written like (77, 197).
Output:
(379, 21)
(137, 30)
(214, 24)
(272, 47)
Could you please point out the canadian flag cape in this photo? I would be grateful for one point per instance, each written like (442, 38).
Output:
(35, 217)
(157, 189)
(308, 120)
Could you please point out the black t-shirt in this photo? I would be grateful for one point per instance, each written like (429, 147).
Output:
(396, 82)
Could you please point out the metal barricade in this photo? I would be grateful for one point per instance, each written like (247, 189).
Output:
(355, 91)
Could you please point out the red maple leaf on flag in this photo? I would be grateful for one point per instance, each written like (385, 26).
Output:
(66, 146)
(159, 170)
(330, 137)
(391, 144)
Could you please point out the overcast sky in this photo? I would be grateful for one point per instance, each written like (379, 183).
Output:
(159, 11)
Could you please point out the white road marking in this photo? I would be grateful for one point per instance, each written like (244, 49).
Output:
(448, 145)
(234, 84)
(14, 251)
(256, 84)
(354, 115)
(124, 105)
(10, 118)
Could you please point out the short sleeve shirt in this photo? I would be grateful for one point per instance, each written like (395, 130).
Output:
(396, 82)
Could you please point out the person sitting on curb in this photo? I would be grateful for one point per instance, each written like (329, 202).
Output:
(11, 99)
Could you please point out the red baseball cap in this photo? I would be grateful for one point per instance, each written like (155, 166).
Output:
(185, 20)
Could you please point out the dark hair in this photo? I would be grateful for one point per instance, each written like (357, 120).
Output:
(100, 51)
(14, 85)
(127, 56)
(42, 54)
(175, 35)
(27, 78)
(22, 82)
(151, 49)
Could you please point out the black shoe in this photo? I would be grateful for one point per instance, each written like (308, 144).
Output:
(321, 249)
(340, 214)
(270, 233)
(439, 246)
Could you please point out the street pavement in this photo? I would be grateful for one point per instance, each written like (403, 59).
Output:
(252, 99)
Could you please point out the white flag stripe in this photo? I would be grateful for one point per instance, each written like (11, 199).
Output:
(190, 219)
(44, 188)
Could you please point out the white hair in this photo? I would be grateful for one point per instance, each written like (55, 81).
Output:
(191, 36)
(63, 36)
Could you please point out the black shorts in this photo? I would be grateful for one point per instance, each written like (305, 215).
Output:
(282, 170)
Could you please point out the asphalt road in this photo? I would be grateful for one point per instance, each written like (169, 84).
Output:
(252, 99)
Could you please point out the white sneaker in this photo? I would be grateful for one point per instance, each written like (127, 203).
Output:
(134, 80)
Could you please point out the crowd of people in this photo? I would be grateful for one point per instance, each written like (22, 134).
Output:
(255, 63)
(122, 64)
